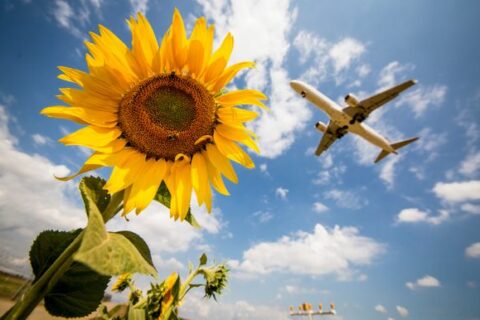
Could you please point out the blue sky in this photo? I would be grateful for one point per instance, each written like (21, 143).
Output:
(389, 241)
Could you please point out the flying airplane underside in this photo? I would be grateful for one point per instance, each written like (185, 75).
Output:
(350, 118)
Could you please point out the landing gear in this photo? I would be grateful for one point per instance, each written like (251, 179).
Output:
(357, 117)
(303, 94)
(341, 132)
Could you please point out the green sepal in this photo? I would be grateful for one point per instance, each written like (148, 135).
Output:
(92, 188)
(164, 197)
(111, 253)
(203, 259)
(80, 290)
(176, 292)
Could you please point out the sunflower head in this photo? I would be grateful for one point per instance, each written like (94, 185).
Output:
(159, 113)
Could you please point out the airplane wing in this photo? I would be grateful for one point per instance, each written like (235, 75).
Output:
(365, 107)
(328, 138)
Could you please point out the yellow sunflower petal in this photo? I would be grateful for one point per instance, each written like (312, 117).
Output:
(232, 151)
(183, 185)
(145, 188)
(200, 181)
(219, 60)
(82, 115)
(195, 58)
(235, 115)
(170, 182)
(79, 98)
(94, 162)
(90, 82)
(144, 44)
(92, 136)
(215, 177)
(179, 41)
(239, 97)
(125, 172)
(229, 74)
(238, 135)
(220, 162)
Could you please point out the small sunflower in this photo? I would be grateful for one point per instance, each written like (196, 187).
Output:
(159, 113)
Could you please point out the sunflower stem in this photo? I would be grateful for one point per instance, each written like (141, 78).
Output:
(27, 303)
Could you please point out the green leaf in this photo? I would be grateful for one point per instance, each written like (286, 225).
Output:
(164, 197)
(191, 219)
(203, 259)
(47, 247)
(140, 244)
(109, 253)
(80, 290)
(92, 188)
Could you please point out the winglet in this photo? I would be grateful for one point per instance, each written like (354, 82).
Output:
(396, 145)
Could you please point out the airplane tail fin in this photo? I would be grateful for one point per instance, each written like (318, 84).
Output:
(396, 146)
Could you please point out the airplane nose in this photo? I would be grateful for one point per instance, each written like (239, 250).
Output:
(295, 84)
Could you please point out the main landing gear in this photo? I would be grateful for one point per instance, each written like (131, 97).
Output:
(341, 132)
(357, 117)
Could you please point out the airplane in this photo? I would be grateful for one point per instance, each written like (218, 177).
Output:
(351, 117)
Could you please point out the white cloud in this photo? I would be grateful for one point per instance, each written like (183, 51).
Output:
(346, 199)
(263, 216)
(425, 282)
(363, 70)
(197, 307)
(176, 236)
(381, 309)
(402, 311)
(281, 192)
(74, 19)
(41, 140)
(471, 165)
(387, 171)
(471, 208)
(429, 143)
(421, 98)
(471, 284)
(328, 58)
(31, 200)
(458, 191)
(319, 207)
(264, 38)
(414, 215)
(388, 76)
(390, 318)
(325, 251)
(345, 52)
(139, 6)
(263, 168)
(288, 115)
(473, 250)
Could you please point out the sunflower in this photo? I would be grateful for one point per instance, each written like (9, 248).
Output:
(160, 113)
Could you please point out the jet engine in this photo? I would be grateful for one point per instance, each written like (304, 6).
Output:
(351, 100)
(322, 127)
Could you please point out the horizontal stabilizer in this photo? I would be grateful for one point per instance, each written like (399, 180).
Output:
(396, 145)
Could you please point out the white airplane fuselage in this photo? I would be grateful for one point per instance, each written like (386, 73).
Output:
(340, 118)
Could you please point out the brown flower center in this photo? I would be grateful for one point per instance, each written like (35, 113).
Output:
(164, 116)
